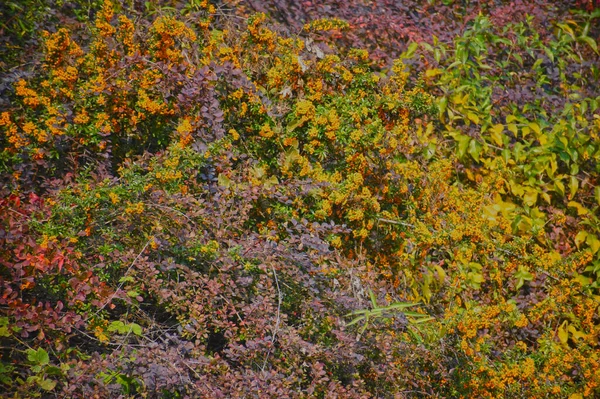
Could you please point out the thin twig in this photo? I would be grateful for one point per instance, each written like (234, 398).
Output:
(171, 209)
(419, 392)
(97, 340)
(396, 222)
(277, 321)
(17, 212)
(122, 282)
(548, 275)
(198, 376)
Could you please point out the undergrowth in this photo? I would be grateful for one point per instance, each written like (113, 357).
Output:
(198, 205)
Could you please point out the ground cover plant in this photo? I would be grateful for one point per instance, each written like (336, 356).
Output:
(204, 201)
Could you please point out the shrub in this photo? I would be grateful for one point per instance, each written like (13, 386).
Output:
(202, 210)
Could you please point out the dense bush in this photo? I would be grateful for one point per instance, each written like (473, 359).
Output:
(209, 208)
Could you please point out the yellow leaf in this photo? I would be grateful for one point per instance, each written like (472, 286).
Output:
(432, 72)
(576, 396)
(563, 334)
(546, 197)
(224, 181)
(259, 172)
(581, 210)
(559, 187)
(473, 117)
(271, 182)
(535, 127)
(576, 333)
(504, 207)
(429, 128)
(566, 28)
(490, 212)
(426, 292)
(580, 237)
(441, 274)
(573, 185)
(530, 197)
(593, 242)
(470, 175)
(458, 99)
(516, 188)
(584, 281)
(496, 133)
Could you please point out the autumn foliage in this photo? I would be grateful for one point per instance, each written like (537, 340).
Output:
(205, 202)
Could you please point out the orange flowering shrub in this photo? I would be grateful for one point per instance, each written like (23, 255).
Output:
(117, 98)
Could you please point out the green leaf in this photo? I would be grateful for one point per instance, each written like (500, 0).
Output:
(415, 314)
(522, 275)
(53, 370)
(589, 41)
(423, 320)
(373, 299)
(429, 151)
(463, 144)
(573, 185)
(518, 57)
(136, 329)
(580, 238)
(4, 332)
(475, 149)
(294, 125)
(559, 187)
(426, 46)
(122, 328)
(356, 320)
(442, 104)
(410, 51)
(117, 326)
(401, 305)
(46, 384)
(39, 357)
(549, 53)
